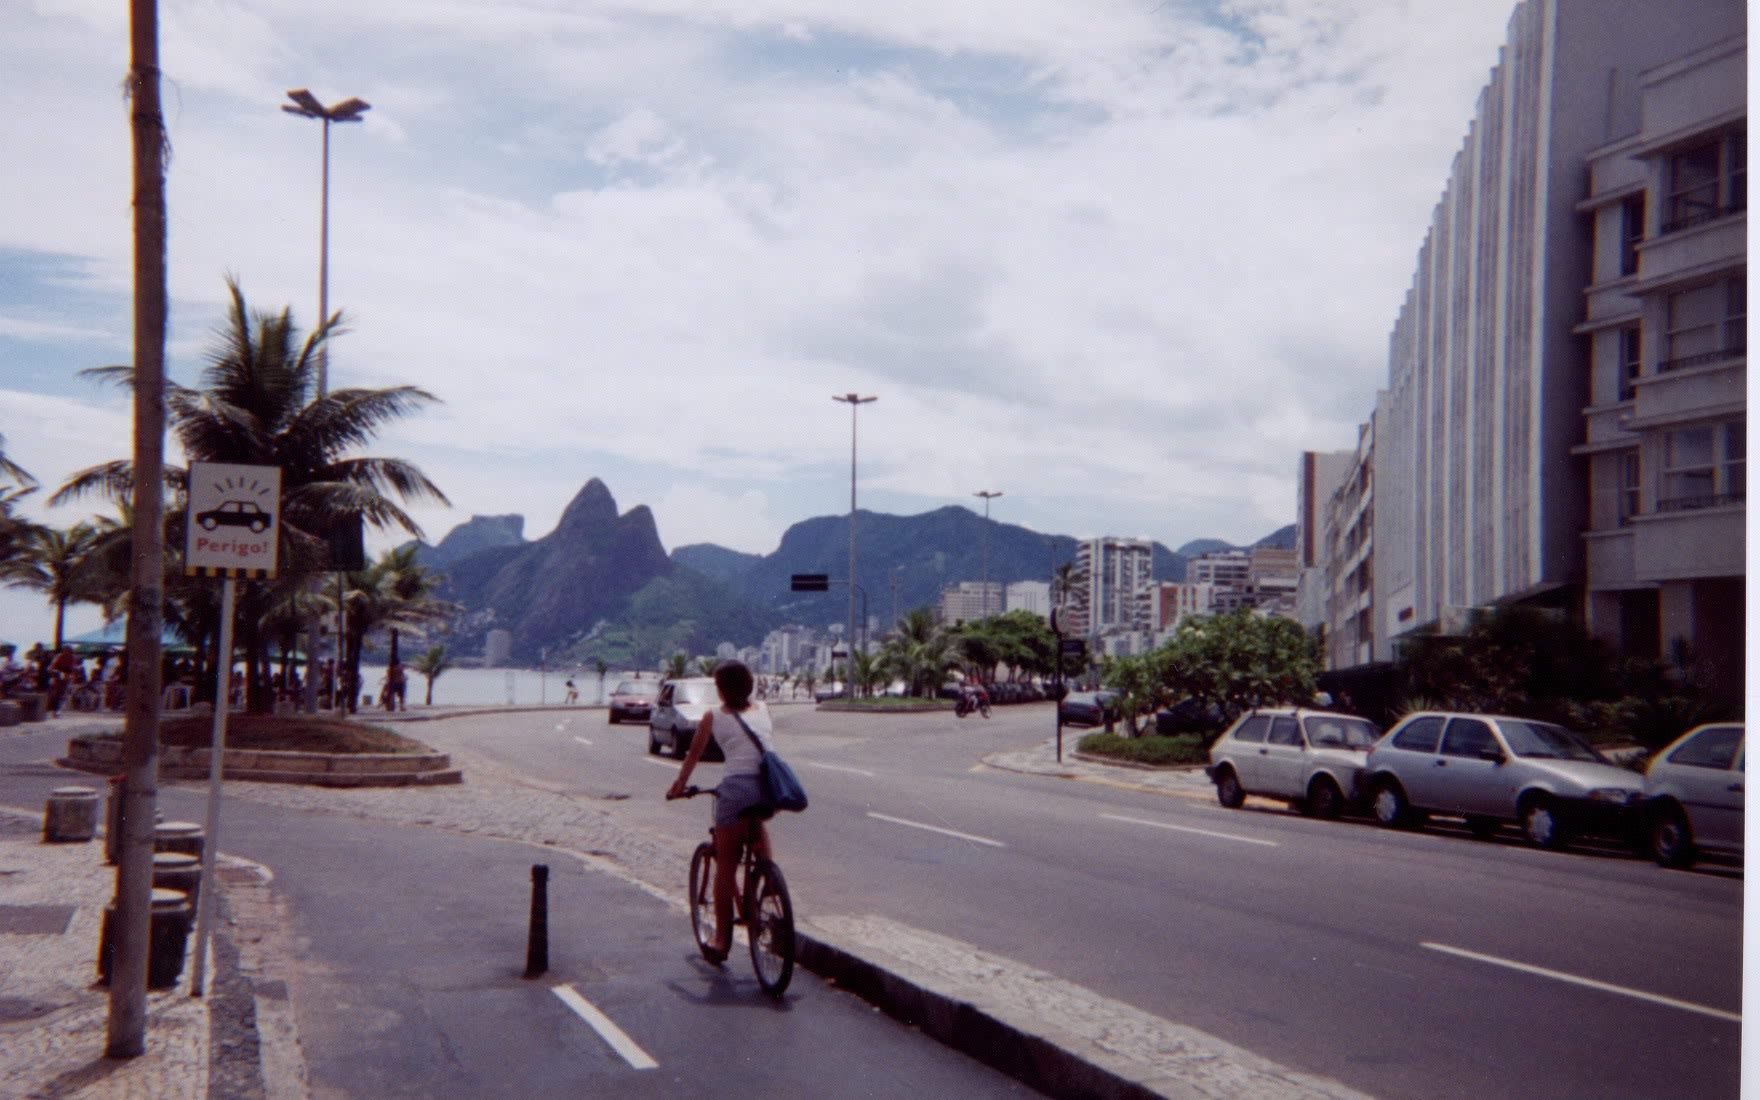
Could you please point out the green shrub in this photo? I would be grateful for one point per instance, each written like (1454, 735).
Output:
(1187, 748)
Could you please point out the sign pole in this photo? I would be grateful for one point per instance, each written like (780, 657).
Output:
(1058, 635)
(216, 753)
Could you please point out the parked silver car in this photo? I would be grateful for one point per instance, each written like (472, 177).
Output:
(1693, 794)
(1313, 758)
(1491, 769)
(678, 707)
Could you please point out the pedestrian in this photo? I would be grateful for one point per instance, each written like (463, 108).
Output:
(571, 696)
(738, 725)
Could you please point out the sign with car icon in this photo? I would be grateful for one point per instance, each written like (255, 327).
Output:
(232, 520)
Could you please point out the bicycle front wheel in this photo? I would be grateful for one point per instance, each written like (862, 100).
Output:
(770, 932)
(702, 897)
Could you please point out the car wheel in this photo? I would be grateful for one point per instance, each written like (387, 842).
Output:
(653, 743)
(1483, 828)
(1671, 838)
(678, 747)
(1228, 789)
(1541, 826)
(1390, 805)
(1324, 798)
(611, 718)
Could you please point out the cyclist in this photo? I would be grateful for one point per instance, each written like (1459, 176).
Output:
(739, 800)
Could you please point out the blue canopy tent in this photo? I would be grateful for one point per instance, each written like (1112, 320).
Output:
(111, 636)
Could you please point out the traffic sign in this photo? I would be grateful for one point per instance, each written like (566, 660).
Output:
(810, 582)
(1076, 648)
(233, 520)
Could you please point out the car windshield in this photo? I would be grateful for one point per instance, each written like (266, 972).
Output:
(631, 687)
(1542, 739)
(693, 693)
(1332, 732)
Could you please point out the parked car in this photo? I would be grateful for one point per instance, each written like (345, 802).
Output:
(1313, 758)
(1190, 716)
(678, 707)
(631, 699)
(1088, 708)
(1693, 796)
(1493, 769)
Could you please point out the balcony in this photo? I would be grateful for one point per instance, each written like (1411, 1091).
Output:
(1696, 537)
(1706, 500)
(1702, 215)
(1704, 359)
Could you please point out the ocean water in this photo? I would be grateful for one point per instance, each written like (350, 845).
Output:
(499, 686)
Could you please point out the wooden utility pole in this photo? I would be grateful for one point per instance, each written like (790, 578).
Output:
(140, 738)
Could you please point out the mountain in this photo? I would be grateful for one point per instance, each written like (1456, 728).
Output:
(475, 535)
(715, 561)
(1284, 538)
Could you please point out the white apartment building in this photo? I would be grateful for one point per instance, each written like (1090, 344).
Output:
(1176, 600)
(1318, 475)
(1479, 497)
(969, 601)
(1034, 596)
(1349, 561)
(1665, 422)
(1114, 588)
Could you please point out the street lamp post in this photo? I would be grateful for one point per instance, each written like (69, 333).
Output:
(988, 497)
(854, 401)
(306, 105)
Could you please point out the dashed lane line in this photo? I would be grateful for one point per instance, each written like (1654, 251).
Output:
(838, 768)
(937, 829)
(583, 740)
(670, 765)
(1590, 983)
(1190, 829)
(612, 1034)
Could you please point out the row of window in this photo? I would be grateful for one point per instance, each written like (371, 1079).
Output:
(1702, 467)
(1706, 324)
(1706, 181)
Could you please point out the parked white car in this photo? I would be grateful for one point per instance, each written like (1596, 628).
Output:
(1693, 794)
(1491, 769)
(1312, 758)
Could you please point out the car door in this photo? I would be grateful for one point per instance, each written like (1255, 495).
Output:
(1281, 759)
(1410, 754)
(1244, 749)
(1467, 782)
(1709, 770)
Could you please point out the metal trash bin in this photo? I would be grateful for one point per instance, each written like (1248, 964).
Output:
(70, 815)
(178, 871)
(178, 836)
(166, 943)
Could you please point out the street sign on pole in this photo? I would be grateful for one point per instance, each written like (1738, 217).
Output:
(809, 582)
(233, 524)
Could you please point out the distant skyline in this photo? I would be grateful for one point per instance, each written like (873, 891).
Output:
(1121, 261)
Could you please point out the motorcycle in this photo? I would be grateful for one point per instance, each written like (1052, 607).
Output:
(970, 701)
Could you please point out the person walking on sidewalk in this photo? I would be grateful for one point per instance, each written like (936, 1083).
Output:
(739, 798)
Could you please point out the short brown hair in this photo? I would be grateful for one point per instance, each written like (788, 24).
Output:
(734, 681)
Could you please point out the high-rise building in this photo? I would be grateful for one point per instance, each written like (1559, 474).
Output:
(1114, 593)
(1665, 422)
(1034, 596)
(968, 601)
(497, 648)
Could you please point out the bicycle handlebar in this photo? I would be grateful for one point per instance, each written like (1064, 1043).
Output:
(691, 791)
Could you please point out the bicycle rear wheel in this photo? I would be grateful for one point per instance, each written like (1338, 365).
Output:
(702, 897)
(770, 932)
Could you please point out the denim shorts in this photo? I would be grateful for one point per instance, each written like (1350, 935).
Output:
(739, 796)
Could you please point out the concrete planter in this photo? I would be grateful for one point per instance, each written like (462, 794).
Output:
(104, 755)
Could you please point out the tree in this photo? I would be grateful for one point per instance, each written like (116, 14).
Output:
(706, 665)
(919, 653)
(58, 564)
(394, 591)
(430, 665)
(677, 667)
(14, 529)
(1239, 661)
(258, 406)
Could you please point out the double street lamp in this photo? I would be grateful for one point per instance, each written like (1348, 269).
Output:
(854, 401)
(988, 497)
(306, 105)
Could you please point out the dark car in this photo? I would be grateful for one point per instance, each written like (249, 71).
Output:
(1088, 708)
(1189, 716)
(632, 699)
(235, 513)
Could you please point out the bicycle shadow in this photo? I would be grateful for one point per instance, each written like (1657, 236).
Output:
(723, 986)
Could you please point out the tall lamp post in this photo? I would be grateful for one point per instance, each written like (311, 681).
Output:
(988, 497)
(306, 105)
(854, 401)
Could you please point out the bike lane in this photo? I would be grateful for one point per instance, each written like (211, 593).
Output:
(405, 953)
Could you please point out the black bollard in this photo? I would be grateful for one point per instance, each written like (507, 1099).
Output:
(538, 945)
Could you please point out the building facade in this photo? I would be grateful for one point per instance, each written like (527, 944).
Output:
(1033, 596)
(1349, 561)
(969, 601)
(1318, 476)
(1665, 423)
(1114, 588)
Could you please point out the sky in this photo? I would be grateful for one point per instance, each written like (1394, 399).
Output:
(1119, 260)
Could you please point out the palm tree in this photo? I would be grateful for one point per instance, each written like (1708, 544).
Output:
(430, 665)
(258, 406)
(394, 591)
(706, 665)
(919, 653)
(677, 667)
(58, 564)
(14, 529)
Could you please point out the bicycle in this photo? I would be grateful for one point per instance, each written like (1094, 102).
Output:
(760, 905)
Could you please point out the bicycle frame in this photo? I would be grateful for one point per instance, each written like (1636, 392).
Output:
(761, 906)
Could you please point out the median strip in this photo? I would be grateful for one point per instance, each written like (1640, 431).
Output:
(1591, 983)
(608, 1031)
(938, 829)
(1189, 829)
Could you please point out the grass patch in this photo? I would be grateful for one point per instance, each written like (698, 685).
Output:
(287, 734)
(887, 702)
(1187, 748)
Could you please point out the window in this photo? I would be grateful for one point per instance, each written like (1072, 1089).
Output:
(1706, 324)
(1707, 181)
(1420, 734)
(1631, 231)
(1631, 360)
(1704, 467)
(1357, 733)
(1285, 731)
(1547, 741)
(1468, 737)
(1253, 729)
(1630, 480)
(1709, 748)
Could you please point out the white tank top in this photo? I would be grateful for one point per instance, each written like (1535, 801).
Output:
(742, 755)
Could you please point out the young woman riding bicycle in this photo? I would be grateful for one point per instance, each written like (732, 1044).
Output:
(739, 802)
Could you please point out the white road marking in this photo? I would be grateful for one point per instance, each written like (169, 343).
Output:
(837, 768)
(583, 740)
(669, 764)
(608, 1031)
(1591, 983)
(938, 829)
(1189, 829)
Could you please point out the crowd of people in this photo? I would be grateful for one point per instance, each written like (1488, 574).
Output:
(65, 678)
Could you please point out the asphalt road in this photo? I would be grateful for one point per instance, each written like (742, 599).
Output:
(1402, 964)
